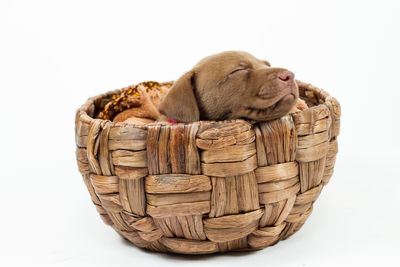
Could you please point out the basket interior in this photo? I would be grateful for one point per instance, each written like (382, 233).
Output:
(100, 103)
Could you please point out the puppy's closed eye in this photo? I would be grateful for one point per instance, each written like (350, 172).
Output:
(241, 69)
(238, 69)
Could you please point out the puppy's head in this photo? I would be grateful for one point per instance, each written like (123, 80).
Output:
(231, 85)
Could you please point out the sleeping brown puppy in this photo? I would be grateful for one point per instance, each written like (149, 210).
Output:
(231, 85)
(227, 85)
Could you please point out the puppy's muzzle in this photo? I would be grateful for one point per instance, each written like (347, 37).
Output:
(286, 79)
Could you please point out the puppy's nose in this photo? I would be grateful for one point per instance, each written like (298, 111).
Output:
(286, 76)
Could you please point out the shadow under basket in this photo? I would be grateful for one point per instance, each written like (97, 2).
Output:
(208, 187)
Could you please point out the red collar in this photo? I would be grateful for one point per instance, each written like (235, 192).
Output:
(172, 121)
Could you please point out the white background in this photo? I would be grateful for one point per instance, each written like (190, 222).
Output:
(56, 54)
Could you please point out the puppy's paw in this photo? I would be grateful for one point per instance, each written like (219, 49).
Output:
(162, 120)
(300, 106)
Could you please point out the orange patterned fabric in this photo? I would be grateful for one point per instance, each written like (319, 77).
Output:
(128, 98)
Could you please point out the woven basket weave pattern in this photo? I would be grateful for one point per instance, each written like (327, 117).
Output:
(208, 187)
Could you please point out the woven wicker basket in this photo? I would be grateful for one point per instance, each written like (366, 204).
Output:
(208, 187)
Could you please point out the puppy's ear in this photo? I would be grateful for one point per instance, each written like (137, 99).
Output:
(267, 63)
(180, 103)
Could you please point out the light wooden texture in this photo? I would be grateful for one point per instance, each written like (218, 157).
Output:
(129, 158)
(127, 144)
(129, 173)
(231, 195)
(228, 154)
(277, 172)
(173, 149)
(177, 183)
(208, 186)
(279, 139)
(217, 135)
(133, 192)
(229, 169)
(231, 227)
(104, 184)
(184, 246)
(127, 133)
(231, 233)
(279, 195)
(181, 209)
(189, 226)
(312, 153)
(238, 221)
(265, 236)
(176, 198)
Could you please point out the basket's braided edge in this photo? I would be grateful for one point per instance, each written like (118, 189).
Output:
(208, 187)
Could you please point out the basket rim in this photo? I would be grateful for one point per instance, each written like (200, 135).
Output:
(86, 112)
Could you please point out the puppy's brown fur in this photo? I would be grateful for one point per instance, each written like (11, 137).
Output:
(231, 85)
(146, 110)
